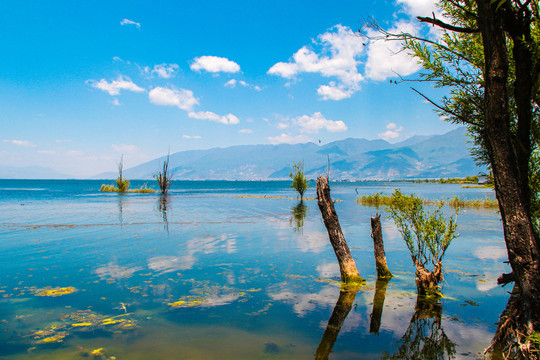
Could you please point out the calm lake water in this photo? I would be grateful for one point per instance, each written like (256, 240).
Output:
(206, 274)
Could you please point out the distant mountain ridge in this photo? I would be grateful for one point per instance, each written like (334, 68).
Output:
(433, 156)
(30, 172)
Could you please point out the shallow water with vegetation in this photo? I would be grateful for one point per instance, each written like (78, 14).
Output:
(208, 273)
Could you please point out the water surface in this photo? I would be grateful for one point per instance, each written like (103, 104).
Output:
(207, 273)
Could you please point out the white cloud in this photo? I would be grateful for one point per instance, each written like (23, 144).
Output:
(124, 148)
(182, 98)
(116, 102)
(393, 132)
(228, 119)
(165, 71)
(316, 122)
(418, 7)
(114, 87)
(339, 58)
(130, 22)
(245, 131)
(214, 64)
(333, 92)
(191, 137)
(288, 139)
(386, 59)
(24, 143)
(233, 82)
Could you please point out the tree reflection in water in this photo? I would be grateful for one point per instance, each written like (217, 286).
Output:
(378, 304)
(298, 213)
(425, 337)
(347, 294)
(163, 202)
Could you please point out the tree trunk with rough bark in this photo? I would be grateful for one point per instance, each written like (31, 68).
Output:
(521, 240)
(378, 248)
(347, 266)
(427, 282)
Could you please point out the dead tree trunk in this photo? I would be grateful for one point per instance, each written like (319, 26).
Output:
(378, 248)
(347, 266)
(341, 310)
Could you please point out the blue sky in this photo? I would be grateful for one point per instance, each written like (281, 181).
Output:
(83, 82)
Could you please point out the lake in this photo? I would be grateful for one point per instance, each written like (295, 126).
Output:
(231, 270)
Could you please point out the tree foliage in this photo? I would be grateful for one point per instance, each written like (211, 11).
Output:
(121, 183)
(427, 234)
(164, 176)
(299, 181)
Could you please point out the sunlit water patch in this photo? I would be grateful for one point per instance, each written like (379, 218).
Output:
(205, 273)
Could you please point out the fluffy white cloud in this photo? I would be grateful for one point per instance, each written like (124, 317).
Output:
(316, 122)
(386, 58)
(333, 92)
(228, 119)
(393, 131)
(418, 7)
(339, 58)
(191, 137)
(164, 71)
(288, 139)
(214, 64)
(114, 87)
(24, 143)
(130, 22)
(182, 98)
(124, 148)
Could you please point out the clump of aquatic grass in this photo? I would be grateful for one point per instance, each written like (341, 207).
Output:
(142, 190)
(54, 292)
(486, 203)
(374, 199)
(379, 199)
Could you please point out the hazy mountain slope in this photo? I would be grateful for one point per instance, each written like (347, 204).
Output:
(420, 156)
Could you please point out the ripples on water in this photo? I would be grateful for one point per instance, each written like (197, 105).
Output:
(204, 274)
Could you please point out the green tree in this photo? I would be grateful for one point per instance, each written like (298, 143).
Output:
(489, 59)
(164, 176)
(427, 236)
(299, 181)
(121, 183)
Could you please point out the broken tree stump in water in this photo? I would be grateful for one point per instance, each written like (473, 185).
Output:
(378, 248)
(347, 266)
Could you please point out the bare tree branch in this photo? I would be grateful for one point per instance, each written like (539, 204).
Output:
(439, 23)
(461, 118)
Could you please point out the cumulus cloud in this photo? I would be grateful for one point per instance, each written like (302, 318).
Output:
(191, 137)
(316, 122)
(130, 22)
(386, 58)
(288, 139)
(124, 148)
(24, 143)
(228, 119)
(338, 58)
(114, 87)
(393, 131)
(181, 98)
(214, 64)
(165, 71)
(418, 7)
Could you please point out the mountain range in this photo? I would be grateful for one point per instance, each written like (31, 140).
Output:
(433, 156)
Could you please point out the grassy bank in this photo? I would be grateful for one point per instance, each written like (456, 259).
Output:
(379, 199)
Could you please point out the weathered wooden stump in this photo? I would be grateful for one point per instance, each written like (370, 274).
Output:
(378, 248)
(347, 266)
